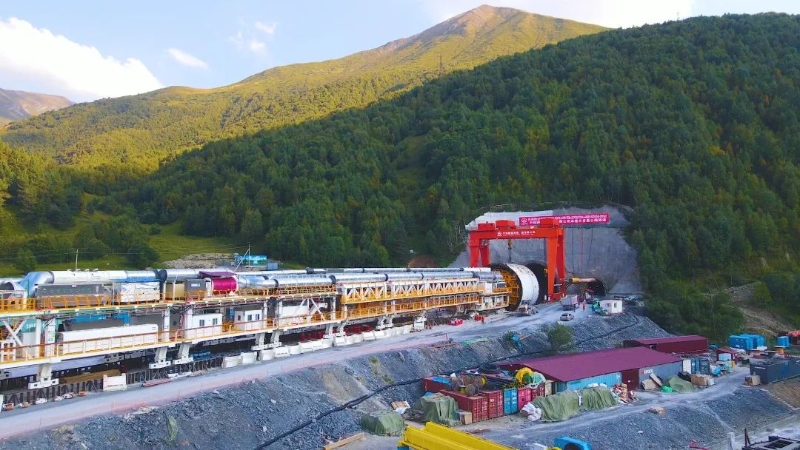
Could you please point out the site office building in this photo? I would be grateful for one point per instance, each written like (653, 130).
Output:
(613, 366)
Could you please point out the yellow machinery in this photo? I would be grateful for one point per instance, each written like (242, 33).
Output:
(439, 437)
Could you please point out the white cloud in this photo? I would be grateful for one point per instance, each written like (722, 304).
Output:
(60, 66)
(256, 46)
(248, 42)
(268, 28)
(186, 59)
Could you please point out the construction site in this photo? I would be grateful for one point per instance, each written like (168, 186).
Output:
(421, 358)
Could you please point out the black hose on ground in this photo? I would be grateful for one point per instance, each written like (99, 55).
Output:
(359, 400)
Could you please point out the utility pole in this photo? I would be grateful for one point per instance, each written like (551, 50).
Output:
(76, 259)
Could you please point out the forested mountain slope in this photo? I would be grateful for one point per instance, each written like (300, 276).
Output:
(136, 132)
(17, 105)
(694, 124)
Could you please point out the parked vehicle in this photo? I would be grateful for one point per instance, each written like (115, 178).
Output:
(526, 309)
(569, 303)
(566, 317)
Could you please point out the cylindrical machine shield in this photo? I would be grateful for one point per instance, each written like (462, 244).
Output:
(523, 284)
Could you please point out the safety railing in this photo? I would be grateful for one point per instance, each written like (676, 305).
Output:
(10, 303)
(372, 292)
(309, 290)
(360, 313)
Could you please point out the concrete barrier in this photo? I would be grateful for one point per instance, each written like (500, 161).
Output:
(248, 357)
(267, 355)
(294, 349)
(282, 352)
(117, 383)
(341, 341)
(357, 338)
(407, 328)
(380, 334)
(327, 343)
(312, 346)
(369, 335)
(231, 361)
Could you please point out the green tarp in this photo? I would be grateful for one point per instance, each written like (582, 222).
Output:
(678, 384)
(385, 424)
(597, 398)
(437, 408)
(558, 407)
(564, 405)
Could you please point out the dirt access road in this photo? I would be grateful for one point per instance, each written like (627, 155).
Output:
(51, 415)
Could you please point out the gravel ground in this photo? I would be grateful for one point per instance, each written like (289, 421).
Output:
(630, 428)
(249, 415)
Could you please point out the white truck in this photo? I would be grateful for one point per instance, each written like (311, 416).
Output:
(569, 303)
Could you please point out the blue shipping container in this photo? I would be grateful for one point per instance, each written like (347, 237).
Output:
(704, 366)
(510, 401)
(783, 341)
(745, 341)
(757, 340)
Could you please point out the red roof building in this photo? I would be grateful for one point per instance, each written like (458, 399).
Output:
(612, 366)
(682, 345)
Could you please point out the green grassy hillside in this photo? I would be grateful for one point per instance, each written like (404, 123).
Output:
(136, 132)
(694, 124)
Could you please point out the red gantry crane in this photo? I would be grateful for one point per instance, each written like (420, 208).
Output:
(549, 229)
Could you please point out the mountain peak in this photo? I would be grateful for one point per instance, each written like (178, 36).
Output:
(17, 105)
(482, 15)
(96, 132)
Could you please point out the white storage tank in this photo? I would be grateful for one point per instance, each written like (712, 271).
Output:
(85, 276)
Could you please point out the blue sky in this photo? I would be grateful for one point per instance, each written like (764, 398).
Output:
(92, 49)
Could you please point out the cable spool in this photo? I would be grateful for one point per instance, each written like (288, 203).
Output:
(223, 285)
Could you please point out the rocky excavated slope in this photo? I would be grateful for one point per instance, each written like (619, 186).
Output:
(318, 402)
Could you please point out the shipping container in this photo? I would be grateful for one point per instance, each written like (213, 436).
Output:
(477, 405)
(137, 292)
(783, 341)
(524, 396)
(663, 371)
(607, 379)
(510, 400)
(736, 341)
(106, 338)
(495, 403)
(747, 341)
(681, 345)
(435, 384)
(771, 370)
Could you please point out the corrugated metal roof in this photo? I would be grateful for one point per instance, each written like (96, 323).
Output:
(578, 366)
(671, 339)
